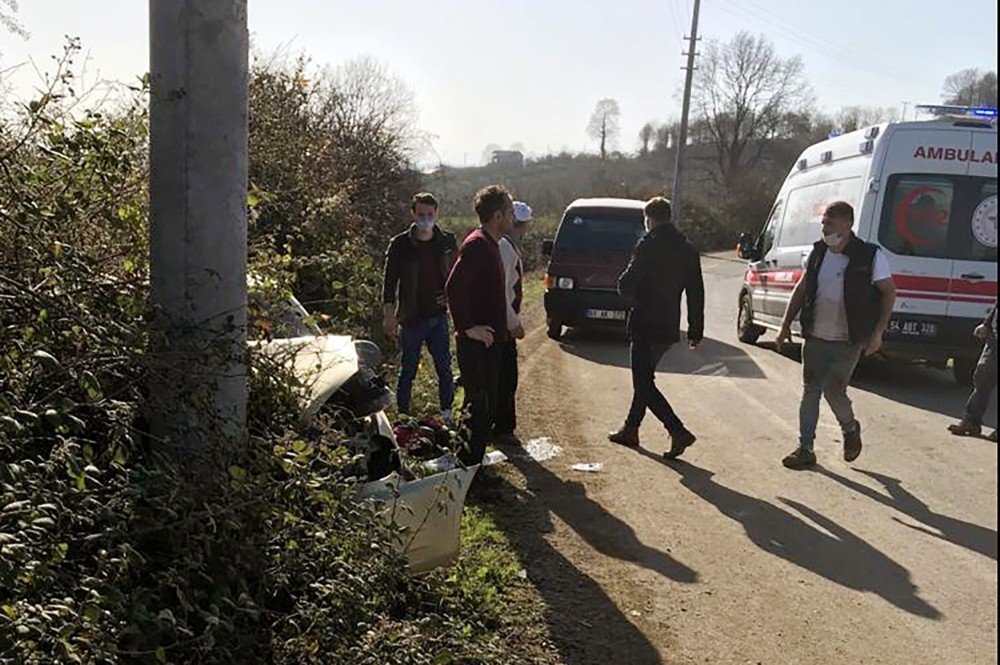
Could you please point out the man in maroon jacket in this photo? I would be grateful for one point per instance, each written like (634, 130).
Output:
(478, 304)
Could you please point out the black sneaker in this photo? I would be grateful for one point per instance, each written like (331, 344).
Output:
(992, 437)
(680, 441)
(966, 428)
(800, 459)
(852, 444)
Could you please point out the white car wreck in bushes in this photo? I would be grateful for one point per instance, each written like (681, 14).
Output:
(338, 371)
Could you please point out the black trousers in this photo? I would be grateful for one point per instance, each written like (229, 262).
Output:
(506, 416)
(645, 357)
(480, 369)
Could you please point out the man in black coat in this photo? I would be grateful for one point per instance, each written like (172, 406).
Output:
(664, 266)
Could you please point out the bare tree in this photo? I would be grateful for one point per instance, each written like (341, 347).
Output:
(851, 118)
(8, 8)
(604, 124)
(646, 136)
(744, 93)
(366, 95)
(971, 87)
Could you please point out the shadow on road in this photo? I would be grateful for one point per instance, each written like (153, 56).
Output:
(830, 551)
(712, 358)
(979, 539)
(585, 623)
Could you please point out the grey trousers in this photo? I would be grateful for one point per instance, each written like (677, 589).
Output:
(827, 368)
(984, 383)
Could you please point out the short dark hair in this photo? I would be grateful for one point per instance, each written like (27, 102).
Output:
(658, 209)
(423, 197)
(489, 200)
(840, 210)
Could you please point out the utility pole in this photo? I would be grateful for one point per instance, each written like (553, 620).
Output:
(676, 195)
(198, 226)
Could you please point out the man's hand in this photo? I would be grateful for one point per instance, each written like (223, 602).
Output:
(390, 326)
(482, 334)
(981, 333)
(441, 300)
(874, 344)
(518, 332)
(784, 337)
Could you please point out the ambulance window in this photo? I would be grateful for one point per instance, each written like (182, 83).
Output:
(940, 217)
(771, 229)
(803, 223)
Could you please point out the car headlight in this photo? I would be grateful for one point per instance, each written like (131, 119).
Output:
(564, 283)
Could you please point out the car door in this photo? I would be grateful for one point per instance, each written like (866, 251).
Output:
(760, 271)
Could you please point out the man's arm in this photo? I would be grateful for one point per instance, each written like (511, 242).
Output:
(630, 280)
(794, 308)
(390, 289)
(694, 292)
(887, 301)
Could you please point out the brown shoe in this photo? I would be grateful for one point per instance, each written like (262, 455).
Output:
(799, 459)
(626, 436)
(966, 428)
(852, 445)
(680, 441)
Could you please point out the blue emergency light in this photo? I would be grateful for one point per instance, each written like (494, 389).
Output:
(984, 112)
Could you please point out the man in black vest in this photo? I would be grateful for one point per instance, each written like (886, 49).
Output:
(845, 298)
(984, 381)
(664, 266)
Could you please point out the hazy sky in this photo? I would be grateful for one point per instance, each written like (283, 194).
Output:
(529, 72)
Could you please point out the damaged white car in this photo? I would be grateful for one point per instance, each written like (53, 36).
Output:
(340, 371)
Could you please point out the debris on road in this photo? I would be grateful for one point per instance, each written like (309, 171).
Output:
(589, 467)
(542, 449)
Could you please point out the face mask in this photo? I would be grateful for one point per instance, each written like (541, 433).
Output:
(833, 239)
(424, 225)
(648, 224)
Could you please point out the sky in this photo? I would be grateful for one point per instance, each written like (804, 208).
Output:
(529, 72)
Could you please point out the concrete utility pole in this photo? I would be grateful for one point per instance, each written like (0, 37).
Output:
(676, 195)
(198, 224)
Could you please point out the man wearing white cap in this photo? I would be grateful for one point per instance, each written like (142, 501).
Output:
(513, 267)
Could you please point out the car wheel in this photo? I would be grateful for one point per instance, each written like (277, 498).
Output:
(555, 329)
(963, 369)
(746, 330)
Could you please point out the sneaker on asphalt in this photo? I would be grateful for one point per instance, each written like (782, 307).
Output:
(800, 459)
(626, 436)
(966, 428)
(993, 437)
(680, 441)
(852, 445)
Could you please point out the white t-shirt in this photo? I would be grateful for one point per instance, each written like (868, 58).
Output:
(831, 312)
(512, 272)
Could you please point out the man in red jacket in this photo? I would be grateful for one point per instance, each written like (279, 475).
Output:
(478, 303)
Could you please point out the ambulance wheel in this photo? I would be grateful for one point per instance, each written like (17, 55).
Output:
(963, 369)
(746, 330)
(554, 329)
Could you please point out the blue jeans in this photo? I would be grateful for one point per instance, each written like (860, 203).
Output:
(827, 368)
(645, 356)
(435, 334)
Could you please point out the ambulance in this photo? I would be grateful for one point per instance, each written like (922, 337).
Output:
(926, 193)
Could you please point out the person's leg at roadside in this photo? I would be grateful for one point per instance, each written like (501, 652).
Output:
(439, 345)
(479, 380)
(411, 340)
(984, 382)
(680, 437)
(642, 373)
(815, 361)
(506, 422)
(843, 361)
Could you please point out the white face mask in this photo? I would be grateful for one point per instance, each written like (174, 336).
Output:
(833, 239)
(425, 224)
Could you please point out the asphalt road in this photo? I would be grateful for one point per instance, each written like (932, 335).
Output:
(725, 556)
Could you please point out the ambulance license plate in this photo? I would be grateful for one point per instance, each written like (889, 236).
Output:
(907, 328)
(606, 314)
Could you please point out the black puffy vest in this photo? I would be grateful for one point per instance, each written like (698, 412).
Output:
(861, 298)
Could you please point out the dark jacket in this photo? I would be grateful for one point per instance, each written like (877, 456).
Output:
(862, 299)
(477, 287)
(664, 265)
(402, 270)
(991, 327)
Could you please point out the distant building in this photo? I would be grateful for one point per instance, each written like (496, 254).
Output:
(509, 158)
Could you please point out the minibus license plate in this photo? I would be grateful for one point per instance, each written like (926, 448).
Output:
(606, 314)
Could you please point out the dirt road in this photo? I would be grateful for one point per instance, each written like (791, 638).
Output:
(726, 557)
